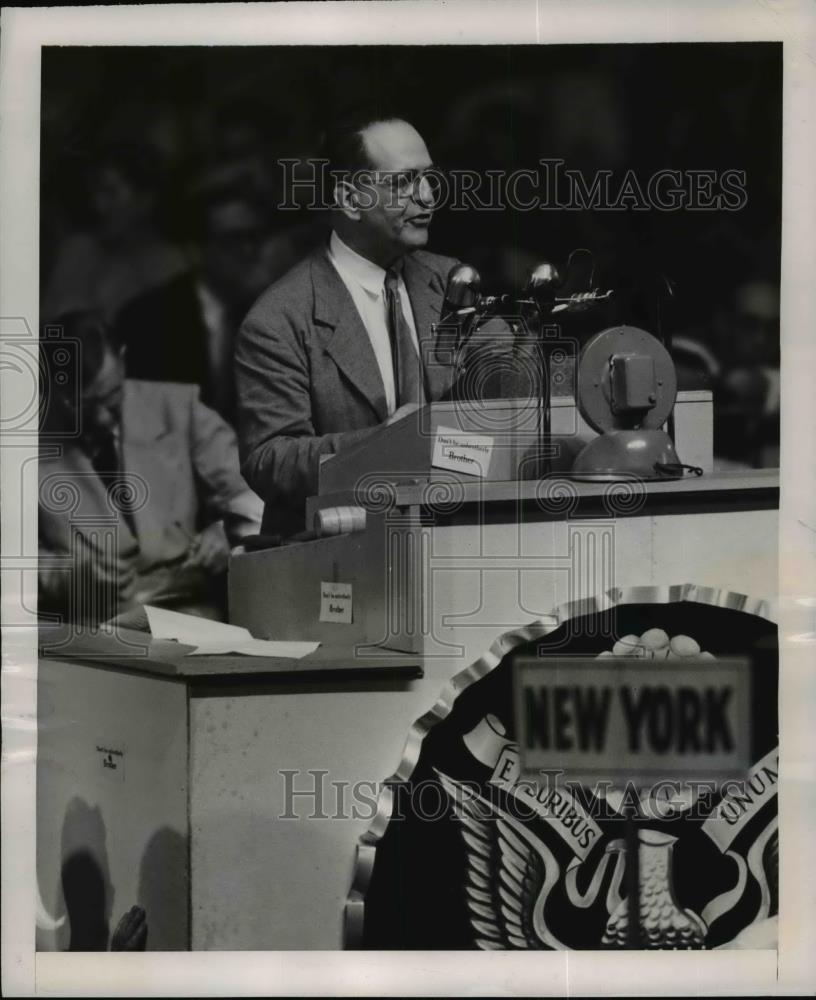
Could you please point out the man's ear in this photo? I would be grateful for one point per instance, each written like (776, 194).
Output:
(346, 200)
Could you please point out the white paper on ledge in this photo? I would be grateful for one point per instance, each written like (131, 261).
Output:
(217, 639)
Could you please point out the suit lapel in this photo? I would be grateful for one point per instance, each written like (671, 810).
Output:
(426, 294)
(343, 334)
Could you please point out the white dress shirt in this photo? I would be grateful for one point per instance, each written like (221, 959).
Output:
(365, 282)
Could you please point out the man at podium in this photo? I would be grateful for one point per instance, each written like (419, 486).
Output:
(343, 342)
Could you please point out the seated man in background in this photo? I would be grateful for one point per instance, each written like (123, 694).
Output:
(140, 493)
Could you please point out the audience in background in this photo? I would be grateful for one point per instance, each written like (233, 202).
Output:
(228, 230)
(165, 336)
(176, 307)
(747, 415)
(124, 252)
(239, 155)
(696, 366)
(140, 492)
(127, 270)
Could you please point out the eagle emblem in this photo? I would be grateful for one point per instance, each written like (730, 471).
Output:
(524, 857)
(511, 872)
(663, 923)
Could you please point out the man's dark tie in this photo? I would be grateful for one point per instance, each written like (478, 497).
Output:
(409, 379)
(107, 464)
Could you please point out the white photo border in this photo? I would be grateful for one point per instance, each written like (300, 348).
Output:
(793, 969)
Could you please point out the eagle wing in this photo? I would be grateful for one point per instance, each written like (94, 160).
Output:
(510, 873)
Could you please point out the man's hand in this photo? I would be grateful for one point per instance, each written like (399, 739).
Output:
(114, 571)
(209, 551)
(131, 931)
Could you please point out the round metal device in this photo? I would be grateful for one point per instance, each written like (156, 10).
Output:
(595, 389)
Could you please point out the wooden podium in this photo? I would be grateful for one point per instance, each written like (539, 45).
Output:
(445, 560)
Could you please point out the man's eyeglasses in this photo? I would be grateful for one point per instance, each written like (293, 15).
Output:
(409, 183)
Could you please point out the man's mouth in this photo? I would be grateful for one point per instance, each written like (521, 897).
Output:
(422, 221)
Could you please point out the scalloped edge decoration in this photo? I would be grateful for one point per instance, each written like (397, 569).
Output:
(354, 909)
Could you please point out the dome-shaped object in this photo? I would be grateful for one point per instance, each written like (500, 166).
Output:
(620, 453)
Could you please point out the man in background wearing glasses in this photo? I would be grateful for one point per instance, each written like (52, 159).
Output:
(343, 342)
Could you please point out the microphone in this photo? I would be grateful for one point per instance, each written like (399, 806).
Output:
(462, 292)
(544, 279)
(462, 297)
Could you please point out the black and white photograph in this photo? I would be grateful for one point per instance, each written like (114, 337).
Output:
(408, 498)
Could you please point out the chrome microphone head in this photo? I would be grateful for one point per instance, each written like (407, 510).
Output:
(462, 297)
(463, 289)
(541, 286)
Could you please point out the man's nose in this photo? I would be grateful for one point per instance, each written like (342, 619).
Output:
(424, 192)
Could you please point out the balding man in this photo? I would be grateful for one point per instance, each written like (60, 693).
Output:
(342, 343)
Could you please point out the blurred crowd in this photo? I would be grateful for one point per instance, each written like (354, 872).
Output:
(175, 295)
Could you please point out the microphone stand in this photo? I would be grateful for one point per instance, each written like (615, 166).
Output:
(665, 337)
(544, 445)
(539, 299)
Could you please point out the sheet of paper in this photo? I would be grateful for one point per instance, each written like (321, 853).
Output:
(217, 638)
(287, 650)
(194, 631)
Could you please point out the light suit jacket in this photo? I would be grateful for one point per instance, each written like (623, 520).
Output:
(179, 459)
(307, 379)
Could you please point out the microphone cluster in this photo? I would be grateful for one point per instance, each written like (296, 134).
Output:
(464, 306)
